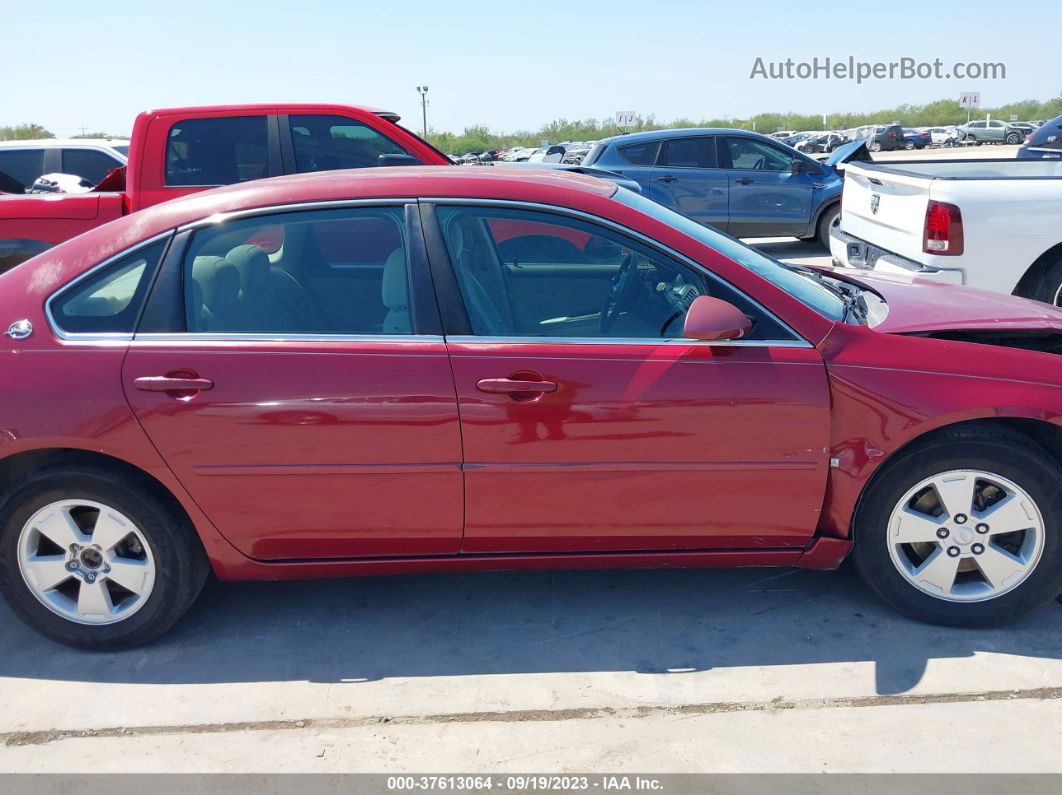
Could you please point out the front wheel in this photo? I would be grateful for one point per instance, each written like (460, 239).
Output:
(826, 221)
(963, 530)
(97, 559)
(1013, 139)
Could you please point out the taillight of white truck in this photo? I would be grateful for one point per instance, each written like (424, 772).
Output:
(943, 229)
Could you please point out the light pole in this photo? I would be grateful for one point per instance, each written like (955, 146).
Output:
(423, 91)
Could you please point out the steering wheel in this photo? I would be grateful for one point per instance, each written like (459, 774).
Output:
(617, 293)
(761, 161)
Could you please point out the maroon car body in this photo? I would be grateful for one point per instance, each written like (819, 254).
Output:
(315, 457)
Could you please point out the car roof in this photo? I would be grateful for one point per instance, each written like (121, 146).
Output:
(53, 142)
(655, 135)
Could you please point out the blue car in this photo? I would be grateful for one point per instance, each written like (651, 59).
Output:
(739, 182)
(1045, 143)
(916, 139)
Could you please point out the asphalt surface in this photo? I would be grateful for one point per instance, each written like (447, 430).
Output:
(750, 670)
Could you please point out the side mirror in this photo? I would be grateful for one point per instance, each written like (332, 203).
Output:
(397, 160)
(714, 319)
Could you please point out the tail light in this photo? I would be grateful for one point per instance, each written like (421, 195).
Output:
(1028, 138)
(943, 230)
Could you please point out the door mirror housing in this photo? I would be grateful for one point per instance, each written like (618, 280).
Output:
(713, 319)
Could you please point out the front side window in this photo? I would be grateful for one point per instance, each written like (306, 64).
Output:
(109, 301)
(90, 164)
(526, 273)
(22, 165)
(217, 151)
(748, 153)
(324, 143)
(321, 272)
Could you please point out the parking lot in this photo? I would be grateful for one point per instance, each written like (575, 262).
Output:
(726, 671)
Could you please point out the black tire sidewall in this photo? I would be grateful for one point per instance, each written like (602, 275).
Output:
(1019, 464)
(177, 574)
(825, 222)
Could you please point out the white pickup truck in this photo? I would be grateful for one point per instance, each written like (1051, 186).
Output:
(992, 224)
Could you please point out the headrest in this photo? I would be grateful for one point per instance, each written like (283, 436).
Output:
(395, 288)
(218, 279)
(253, 266)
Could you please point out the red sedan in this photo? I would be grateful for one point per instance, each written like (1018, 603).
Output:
(421, 369)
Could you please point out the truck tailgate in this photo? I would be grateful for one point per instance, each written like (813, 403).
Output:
(886, 209)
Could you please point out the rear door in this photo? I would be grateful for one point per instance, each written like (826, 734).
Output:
(588, 424)
(766, 197)
(688, 180)
(325, 142)
(304, 427)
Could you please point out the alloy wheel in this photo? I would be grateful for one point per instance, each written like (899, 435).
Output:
(86, 562)
(966, 535)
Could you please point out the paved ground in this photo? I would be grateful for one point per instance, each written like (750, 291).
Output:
(745, 670)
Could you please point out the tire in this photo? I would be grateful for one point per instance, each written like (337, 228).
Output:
(1001, 454)
(1045, 282)
(909, 145)
(1013, 139)
(171, 564)
(875, 146)
(829, 215)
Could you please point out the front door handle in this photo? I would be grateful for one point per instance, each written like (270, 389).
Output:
(509, 386)
(744, 181)
(666, 178)
(165, 383)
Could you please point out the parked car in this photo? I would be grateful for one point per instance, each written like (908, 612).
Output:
(738, 181)
(796, 138)
(1045, 143)
(990, 224)
(916, 139)
(782, 134)
(884, 137)
(575, 154)
(90, 159)
(824, 143)
(186, 150)
(942, 136)
(573, 353)
(989, 131)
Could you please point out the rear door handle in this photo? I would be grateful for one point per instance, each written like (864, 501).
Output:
(507, 386)
(165, 383)
(666, 178)
(743, 181)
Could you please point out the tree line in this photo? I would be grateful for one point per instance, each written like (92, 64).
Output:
(480, 138)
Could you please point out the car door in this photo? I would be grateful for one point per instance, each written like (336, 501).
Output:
(588, 424)
(767, 197)
(688, 180)
(304, 428)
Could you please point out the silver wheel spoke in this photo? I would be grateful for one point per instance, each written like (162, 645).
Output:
(956, 492)
(60, 528)
(938, 571)
(1008, 515)
(94, 600)
(999, 566)
(109, 531)
(47, 571)
(911, 527)
(130, 574)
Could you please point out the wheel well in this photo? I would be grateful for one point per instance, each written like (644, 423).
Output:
(825, 209)
(1041, 263)
(17, 466)
(1040, 432)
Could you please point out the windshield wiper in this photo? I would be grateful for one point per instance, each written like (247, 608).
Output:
(850, 295)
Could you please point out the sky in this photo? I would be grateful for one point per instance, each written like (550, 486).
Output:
(509, 65)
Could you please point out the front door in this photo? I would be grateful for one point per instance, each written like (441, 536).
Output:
(589, 424)
(766, 198)
(295, 392)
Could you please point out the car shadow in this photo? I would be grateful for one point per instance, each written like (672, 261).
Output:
(664, 622)
(792, 250)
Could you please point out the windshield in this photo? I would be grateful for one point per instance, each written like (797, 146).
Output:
(123, 149)
(800, 283)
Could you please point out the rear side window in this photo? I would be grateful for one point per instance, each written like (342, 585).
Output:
(23, 165)
(218, 151)
(689, 153)
(640, 154)
(109, 301)
(90, 164)
(324, 143)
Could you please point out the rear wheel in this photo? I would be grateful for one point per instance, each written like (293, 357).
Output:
(908, 145)
(1044, 283)
(97, 559)
(963, 530)
(875, 146)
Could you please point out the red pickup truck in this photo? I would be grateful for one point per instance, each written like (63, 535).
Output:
(183, 150)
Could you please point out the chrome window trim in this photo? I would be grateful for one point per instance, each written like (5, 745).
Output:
(103, 336)
(624, 230)
(192, 337)
(634, 341)
(276, 209)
